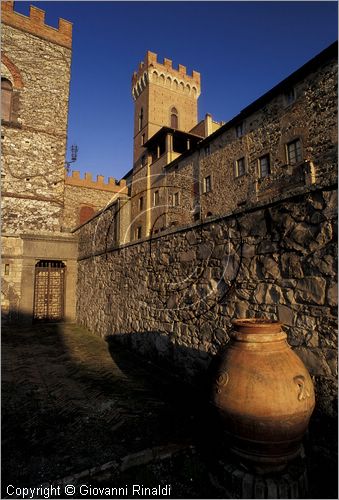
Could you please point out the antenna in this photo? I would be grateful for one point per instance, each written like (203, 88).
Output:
(74, 156)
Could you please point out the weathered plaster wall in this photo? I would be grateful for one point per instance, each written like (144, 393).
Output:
(174, 297)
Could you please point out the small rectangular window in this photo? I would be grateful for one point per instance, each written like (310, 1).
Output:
(138, 233)
(240, 167)
(290, 96)
(143, 139)
(264, 166)
(155, 198)
(6, 269)
(143, 160)
(294, 153)
(239, 129)
(207, 184)
(141, 203)
(176, 199)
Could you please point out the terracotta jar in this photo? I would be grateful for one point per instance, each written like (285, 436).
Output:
(264, 394)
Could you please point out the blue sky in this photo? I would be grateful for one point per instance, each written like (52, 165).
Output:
(241, 49)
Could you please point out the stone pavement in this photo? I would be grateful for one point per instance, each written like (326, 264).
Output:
(73, 402)
(82, 411)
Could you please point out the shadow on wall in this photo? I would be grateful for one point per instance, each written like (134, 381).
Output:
(194, 397)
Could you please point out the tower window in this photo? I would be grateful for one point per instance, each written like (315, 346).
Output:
(207, 187)
(6, 99)
(141, 118)
(143, 160)
(294, 153)
(174, 118)
(143, 139)
(141, 203)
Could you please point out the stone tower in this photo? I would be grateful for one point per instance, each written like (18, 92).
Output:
(35, 78)
(163, 96)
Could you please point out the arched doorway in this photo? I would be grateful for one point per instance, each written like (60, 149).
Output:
(49, 290)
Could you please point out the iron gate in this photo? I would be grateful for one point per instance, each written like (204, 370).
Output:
(49, 291)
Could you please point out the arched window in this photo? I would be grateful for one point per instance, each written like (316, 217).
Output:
(6, 99)
(174, 118)
(85, 214)
(141, 118)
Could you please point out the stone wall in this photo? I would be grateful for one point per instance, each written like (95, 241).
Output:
(173, 297)
(36, 60)
(34, 140)
(268, 125)
(95, 194)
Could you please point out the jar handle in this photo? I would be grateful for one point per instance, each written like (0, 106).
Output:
(303, 391)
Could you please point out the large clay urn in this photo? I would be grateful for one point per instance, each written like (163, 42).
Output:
(264, 394)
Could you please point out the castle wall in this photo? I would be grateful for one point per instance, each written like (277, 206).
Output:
(86, 192)
(173, 297)
(312, 118)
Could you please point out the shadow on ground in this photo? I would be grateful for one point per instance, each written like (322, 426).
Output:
(72, 402)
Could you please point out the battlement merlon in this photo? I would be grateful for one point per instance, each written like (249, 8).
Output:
(87, 182)
(151, 62)
(35, 24)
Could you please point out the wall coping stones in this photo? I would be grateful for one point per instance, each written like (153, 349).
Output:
(249, 208)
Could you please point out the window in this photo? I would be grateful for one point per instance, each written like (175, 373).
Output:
(138, 233)
(6, 269)
(294, 153)
(6, 99)
(143, 160)
(141, 119)
(264, 166)
(176, 199)
(141, 203)
(239, 129)
(290, 96)
(207, 150)
(240, 167)
(155, 198)
(143, 139)
(174, 118)
(207, 184)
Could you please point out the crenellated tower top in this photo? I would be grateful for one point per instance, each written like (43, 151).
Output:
(35, 24)
(163, 74)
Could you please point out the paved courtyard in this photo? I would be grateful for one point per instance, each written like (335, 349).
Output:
(79, 410)
(72, 402)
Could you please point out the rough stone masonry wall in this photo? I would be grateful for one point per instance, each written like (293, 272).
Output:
(312, 118)
(77, 197)
(33, 148)
(174, 297)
